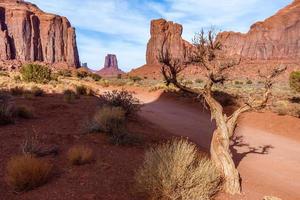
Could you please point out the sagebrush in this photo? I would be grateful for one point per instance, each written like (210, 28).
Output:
(123, 99)
(27, 172)
(175, 170)
(35, 73)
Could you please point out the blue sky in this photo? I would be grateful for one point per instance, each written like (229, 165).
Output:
(122, 27)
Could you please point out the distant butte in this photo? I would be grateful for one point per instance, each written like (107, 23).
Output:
(111, 67)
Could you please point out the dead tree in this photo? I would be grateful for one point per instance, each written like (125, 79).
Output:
(208, 54)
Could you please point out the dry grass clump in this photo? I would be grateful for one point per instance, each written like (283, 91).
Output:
(27, 172)
(81, 90)
(123, 99)
(37, 92)
(6, 113)
(110, 119)
(174, 170)
(24, 112)
(17, 91)
(295, 81)
(80, 155)
(70, 96)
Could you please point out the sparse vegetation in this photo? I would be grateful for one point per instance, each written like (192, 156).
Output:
(96, 77)
(175, 170)
(82, 73)
(123, 99)
(135, 78)
(110, 120)
(26, 172)
(6, 113)
(80, 155)
(70, 96)
(17, 91)
(81, 90)
(65, 73)
(37, 92)
(295, 81)
(23, 112)
(35, 73)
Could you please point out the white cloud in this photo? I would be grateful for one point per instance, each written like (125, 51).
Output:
(122, 26)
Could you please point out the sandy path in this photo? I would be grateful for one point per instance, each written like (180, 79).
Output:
(269, 163)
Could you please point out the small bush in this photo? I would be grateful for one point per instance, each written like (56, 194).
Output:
(4, 73)
(238, 83)
(96, 77)
(81, 90)
(249, 82)
(69, 96)
(17, 78)
(37, 92)
(35, 73)
(295, 81)
(174, 171)
(65, 73)
(27, 172)
(123, 99)
(135, 78)
(23, 112)
(82, 73)
(110, 120)
(199, 81)
(6, 113)
(124, 139)
(80, 155)
(17, 91)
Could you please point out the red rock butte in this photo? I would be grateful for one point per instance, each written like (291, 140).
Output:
(111, 67)
(273, 41)
(29, 34)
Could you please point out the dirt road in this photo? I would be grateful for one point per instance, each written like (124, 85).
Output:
(266, 148)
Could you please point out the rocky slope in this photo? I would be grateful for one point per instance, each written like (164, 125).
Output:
(111, 67)
(29, 34)
(271, 42)
(276, 38)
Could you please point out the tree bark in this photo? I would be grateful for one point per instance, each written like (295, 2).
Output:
(220, 155)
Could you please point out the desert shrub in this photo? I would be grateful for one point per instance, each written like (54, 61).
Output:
(65, 73)
(295, 81)
(80, 155)
(96, 77)
(124, 139)
(104, 83)
(110, 119)
(23, 112)
(82, 73)
(35, 73)
(4, 73)
(199, 81)
(174, 170)
(6, 113)
(135, 78)
(27, 172)
(17, 91)
(69, 96)
(238, 82)
(249, 82)
(17, 78)
(119, 76)
(37, 92)
(81, 90)
(123, 99)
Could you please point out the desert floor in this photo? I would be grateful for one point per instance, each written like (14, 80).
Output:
(265, 148)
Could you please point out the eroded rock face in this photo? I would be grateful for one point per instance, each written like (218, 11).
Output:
(110, 66)
(29, 34)
(276, 38)
(166, 37)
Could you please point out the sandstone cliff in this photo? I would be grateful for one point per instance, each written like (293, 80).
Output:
(276, 38)
(166, 37)
(271, 42)
(111, 67)
(29, 34)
